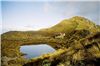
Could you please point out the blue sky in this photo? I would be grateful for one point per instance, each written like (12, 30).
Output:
(23, 16)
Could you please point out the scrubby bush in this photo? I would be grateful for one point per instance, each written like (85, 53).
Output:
(46, 63)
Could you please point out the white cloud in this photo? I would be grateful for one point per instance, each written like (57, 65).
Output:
(19, 28)
(47, 7)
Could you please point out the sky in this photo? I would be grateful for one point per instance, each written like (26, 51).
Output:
(34, 15)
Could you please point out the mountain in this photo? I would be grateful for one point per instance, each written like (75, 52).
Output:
(79, 47)
(65, 26)
(74, 23)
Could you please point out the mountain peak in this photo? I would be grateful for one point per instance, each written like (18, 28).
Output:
(74, 23)
(80, 19)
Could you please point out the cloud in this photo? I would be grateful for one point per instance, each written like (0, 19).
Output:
(15, 28)
(47, 7)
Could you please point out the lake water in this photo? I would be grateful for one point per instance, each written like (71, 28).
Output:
(35, 50)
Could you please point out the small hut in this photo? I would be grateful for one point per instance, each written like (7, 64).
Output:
(60, 35)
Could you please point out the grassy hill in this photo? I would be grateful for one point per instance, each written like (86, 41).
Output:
(66, 26)
(74, 23)
(82, 38)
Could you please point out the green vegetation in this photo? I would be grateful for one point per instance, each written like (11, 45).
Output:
(79, 47)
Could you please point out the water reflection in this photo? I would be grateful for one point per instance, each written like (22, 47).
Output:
(36, 50)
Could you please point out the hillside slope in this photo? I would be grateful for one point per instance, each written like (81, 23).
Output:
(82, 39)
(74, 23)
